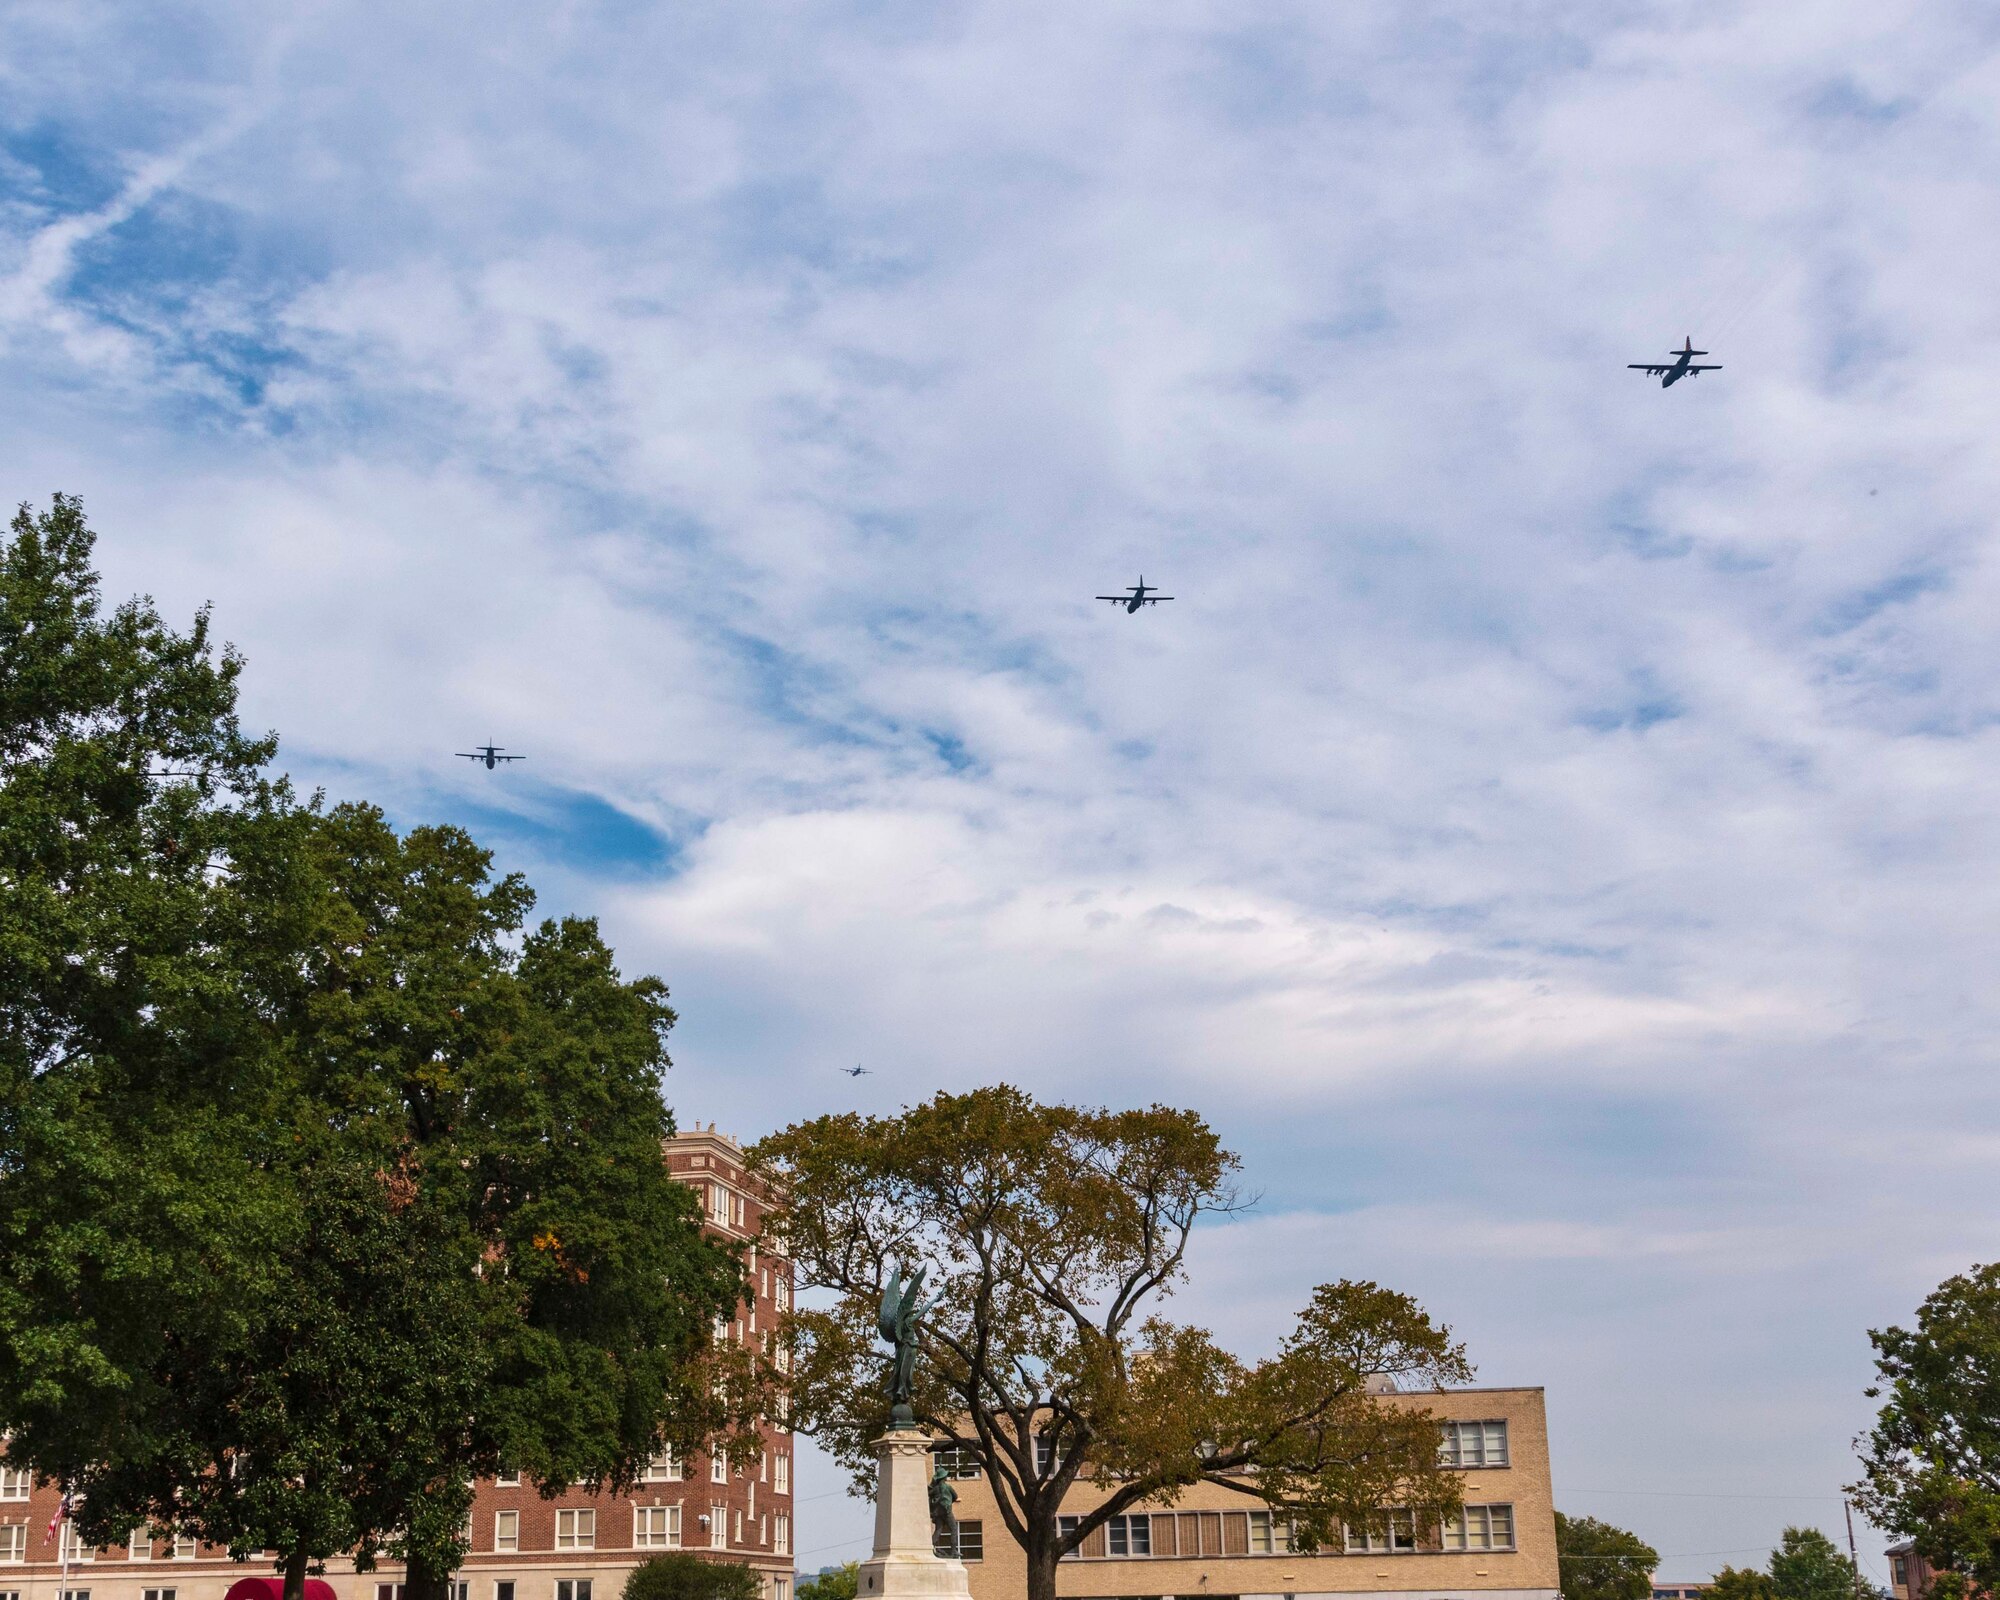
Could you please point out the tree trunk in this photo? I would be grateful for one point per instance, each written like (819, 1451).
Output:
(295, 1575)
(421, 1583)
(1041, 1554)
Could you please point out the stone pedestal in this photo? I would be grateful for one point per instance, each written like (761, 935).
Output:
(903, 1566)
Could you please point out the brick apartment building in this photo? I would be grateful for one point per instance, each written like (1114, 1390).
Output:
(577, 1546)
(1910, 1575)
(1212, 1544)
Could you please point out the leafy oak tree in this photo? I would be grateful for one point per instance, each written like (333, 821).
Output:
(1049, 1234)
(1931, 1463)
(325, 1183)
(686, 1576)
(1600, 1561)
(1741, 1583)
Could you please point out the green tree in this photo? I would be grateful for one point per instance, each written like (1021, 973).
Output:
(1599, 1561)
(1931, 1464)
(833, 1583)
(1050, 1233)
(1742, 1583)
(326, 1184)
(682, 1576)
(1807, 1565)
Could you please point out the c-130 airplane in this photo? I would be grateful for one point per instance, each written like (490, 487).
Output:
(1683, 368)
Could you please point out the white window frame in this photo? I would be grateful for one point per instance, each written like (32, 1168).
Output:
(15, 1482)
(506, 1532)
(184, 1547)
(572, 1589)
(1481, 1529)
(1399, 1538)
(718, 1526)
(781, 1292)
(15, 1547)
(582, 1532)
(656, 1527)
(72, 1541)
(157, 1594)
(507, 1479)
(718, 1468)
(971, 1540)
(663, 1468)
(781, 1475)
(388, 1591)
(781, 1535)
(1480, 1443)
(1121, 1529)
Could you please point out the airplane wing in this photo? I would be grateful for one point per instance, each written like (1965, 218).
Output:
(510, 758)
(1115, 599)
(1717, 367)
(470, 755)
(1640, 366)
(1155, 599)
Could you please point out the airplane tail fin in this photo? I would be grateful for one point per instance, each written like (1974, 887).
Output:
(1688, 349)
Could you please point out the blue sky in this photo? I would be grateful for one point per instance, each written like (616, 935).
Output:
(1551, 833)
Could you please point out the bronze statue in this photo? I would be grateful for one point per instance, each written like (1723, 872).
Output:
(944, 1521)
(898, 1322)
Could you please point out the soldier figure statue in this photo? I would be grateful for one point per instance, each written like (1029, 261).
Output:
(944, 1521)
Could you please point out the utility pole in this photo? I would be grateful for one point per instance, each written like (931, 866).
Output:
(1853, 1560)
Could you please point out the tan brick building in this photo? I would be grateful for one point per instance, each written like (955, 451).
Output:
(577, 1546)
(1214, 1544)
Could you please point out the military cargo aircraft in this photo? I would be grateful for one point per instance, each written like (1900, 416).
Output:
(1685, 367)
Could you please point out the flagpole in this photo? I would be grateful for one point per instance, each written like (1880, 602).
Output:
(62, 1543)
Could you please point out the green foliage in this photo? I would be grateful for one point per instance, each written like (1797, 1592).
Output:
(835, 1583)
(1931, 1463)
(1742, 1583)
(1050, 1231)
(1599, 1561)
(683, 1576)
(1807, 1565)
(326, 1183)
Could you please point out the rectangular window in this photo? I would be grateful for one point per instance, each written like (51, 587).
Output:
(1473, 1444)
(460, 1590)
(1129, 1536)
(739, 1527)
(1046, 1459)
(781, 1589)
(507, 1478)
(718, 1469)
(138, 1547)
(1065, 1526)
(76, 1594)
(1397, 1534)
(504, 1589)
(971, 1543)
(781, 1475)
(572, 1589)
(718, 1527)
(388, 1591)
(507, 1530)
(1481, 1528)
(663, 1468)
(957, 1460)
(781, 1292)
(576, 1530)
(1899, 1571)
(13, 1541)
(14, 1482)
(185, 1548)
(73, 1546)
(656, 1527)
(157, 1594)
(718, 1203)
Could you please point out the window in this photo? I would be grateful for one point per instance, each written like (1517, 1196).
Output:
(1899, 1571)
(718, 1527)
(156, 1594)
(781, 1475)
(656, 1527)
(504, 1589)
(1045, 1454)
(1129, 1536)
(73, 1547)
(572, 1589)
(781, 1534)
(507, 1478)
(718, 1203)
(1269, 1535)
(1397, 1533)
(13, 1541)
(781, 1292)
(14, 1482)
(1481, 1528)
(388, 1591)
(971, 1543)
(1473, 1444)
(957, 1460)
(576, 1530)
(1065, 1526)
(460, 1590)
(184, 1548)
(76, 1594)
(739, 1527)
(781, 1589)
(663, 1468)
(506, 1530)
(718, 1469)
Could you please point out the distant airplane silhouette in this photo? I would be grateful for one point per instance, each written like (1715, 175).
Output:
(1142, 594)
(1683, 368)
(490, 754)
(853, 1072)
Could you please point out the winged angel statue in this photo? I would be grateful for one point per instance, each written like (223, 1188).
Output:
(898, 1322)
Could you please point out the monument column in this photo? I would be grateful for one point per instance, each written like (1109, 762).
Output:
(903, 1566)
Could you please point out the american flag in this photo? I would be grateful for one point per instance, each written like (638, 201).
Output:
(62, 1513)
